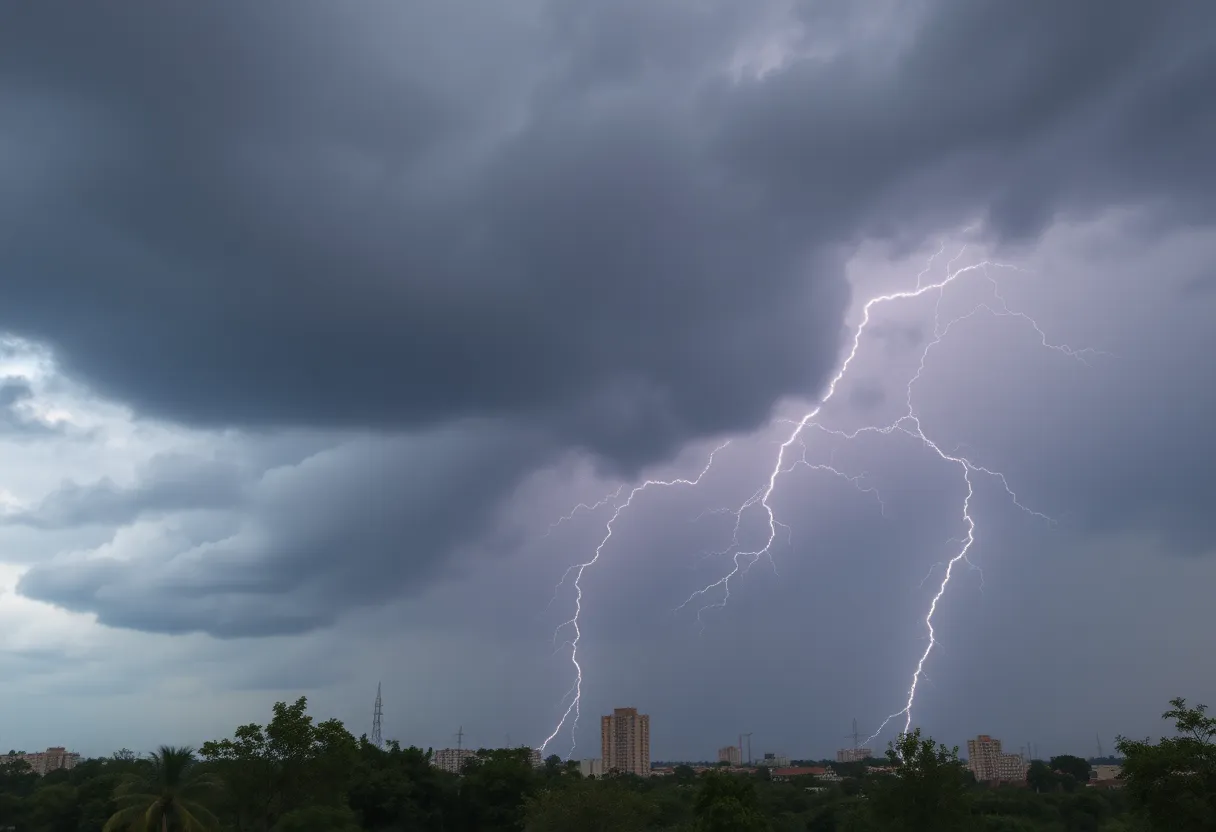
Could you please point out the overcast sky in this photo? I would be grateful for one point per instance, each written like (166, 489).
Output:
(317, 316)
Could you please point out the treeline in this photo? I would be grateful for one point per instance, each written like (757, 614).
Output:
(297, 775)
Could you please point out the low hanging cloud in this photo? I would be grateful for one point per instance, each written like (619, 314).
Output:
(16, 420)
(286, 549)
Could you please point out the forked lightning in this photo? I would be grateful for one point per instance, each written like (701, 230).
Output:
(909, 423)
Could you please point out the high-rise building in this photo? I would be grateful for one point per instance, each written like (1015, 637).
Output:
(625, 738)
(730, 754)
(853, 755)
(988, 763)
(591, 768)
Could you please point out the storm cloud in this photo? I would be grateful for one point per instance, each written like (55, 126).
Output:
(294, 214)
(379, 291)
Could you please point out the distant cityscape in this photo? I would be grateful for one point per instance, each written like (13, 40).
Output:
(625, 749)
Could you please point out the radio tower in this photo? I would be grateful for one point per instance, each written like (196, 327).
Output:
(377, 739)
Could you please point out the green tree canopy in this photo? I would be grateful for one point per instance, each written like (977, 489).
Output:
(928, 792)
(291, 763)
(589, 806)
(1174, 781)
(167, 794)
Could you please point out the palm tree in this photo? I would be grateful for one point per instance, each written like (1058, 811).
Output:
(165, 796)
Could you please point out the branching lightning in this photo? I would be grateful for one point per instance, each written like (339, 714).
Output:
(787, 459)
(575, 694)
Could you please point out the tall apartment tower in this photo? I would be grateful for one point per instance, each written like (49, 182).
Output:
(730, 754)
(626, 742)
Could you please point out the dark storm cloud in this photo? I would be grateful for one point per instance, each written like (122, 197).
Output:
(396, 216)
(296, 227)
(358, 524)
(1022, 111)
(14, 420)
(287, 214)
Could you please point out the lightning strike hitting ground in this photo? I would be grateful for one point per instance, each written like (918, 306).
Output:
(575, 694)
(908, 424)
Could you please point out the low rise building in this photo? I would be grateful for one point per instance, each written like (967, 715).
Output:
(788, 772)
(1105, 772)
(989, 764)
(42, 762)
(853, 755)
(451, 759)
(774, 761)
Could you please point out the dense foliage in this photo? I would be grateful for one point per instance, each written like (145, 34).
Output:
(297, 775)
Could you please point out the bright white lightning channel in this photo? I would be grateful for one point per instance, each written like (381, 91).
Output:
(908, 424)
(575, 694)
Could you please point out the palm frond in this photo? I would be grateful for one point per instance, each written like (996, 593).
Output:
(195, 818)
(153, 815)
(128, 818)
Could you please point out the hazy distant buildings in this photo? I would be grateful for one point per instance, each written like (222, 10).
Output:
(591, 768)
(625, 742)
(988, 763)
(42, 762)
(451, 759)
(853, 755)
(730, 754)
(774, 761)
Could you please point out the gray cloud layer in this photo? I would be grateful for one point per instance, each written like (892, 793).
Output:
(14, 420)
(286, 214)
(358, 524)
(564, 216)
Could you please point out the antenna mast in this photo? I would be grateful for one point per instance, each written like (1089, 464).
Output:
(1099, 739)
(856, 736)
(377, 715)
(459, 739)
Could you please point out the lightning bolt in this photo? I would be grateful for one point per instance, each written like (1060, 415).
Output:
(909, 424)
(575, 694)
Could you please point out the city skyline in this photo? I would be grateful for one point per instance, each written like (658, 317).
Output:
(317, 327)
(983, 753)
